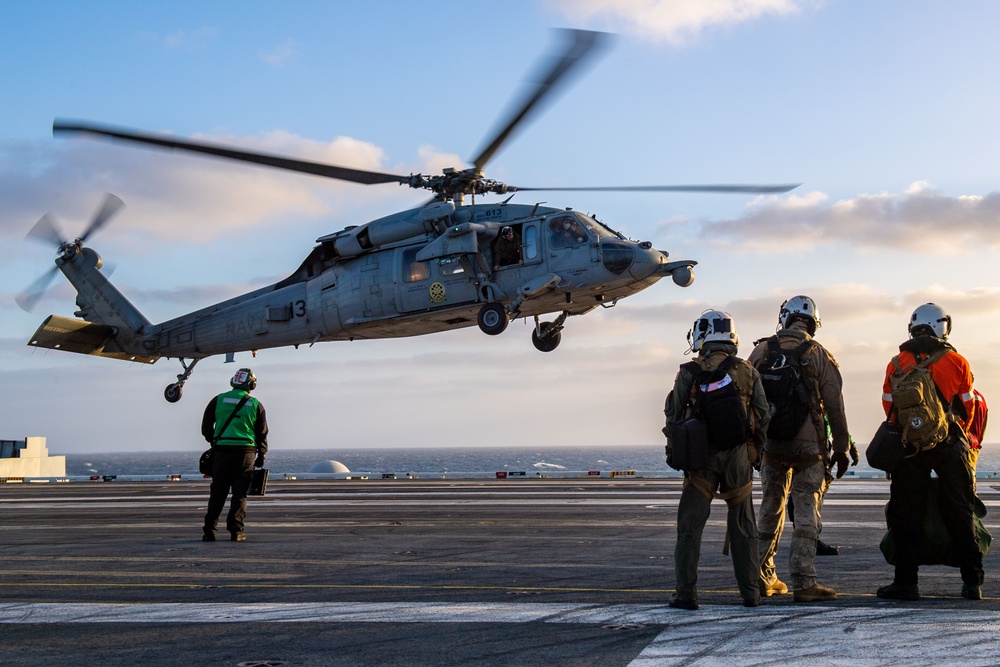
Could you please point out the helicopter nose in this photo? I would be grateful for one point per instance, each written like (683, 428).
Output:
(648, 261)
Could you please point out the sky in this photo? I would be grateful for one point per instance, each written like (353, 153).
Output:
(884, 112)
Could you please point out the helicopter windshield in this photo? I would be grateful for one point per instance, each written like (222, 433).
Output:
(598, 227)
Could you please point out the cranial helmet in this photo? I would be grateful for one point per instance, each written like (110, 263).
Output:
(800, 308)
(930, 318)
(712, 326)
(244, 379)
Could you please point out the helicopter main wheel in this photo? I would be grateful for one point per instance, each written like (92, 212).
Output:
(172, 393)
(548, 339)
(493, 319)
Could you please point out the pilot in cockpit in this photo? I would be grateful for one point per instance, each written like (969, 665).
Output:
(566, 231)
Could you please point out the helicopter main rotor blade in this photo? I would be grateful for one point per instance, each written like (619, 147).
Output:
(30, 297)
(582, 42)
(291, 164)
(45, 230)
(111, 205)
(747, 189)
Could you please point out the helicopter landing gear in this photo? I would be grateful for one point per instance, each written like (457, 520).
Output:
(493, 318)
(173, 391)
(546, 335)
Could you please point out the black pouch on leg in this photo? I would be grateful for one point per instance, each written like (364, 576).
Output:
(205, 463)
(689, 444)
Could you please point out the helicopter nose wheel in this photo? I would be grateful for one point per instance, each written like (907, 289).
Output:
(546, 336)
(493, 318)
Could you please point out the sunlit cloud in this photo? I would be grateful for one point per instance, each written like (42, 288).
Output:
(675, 21)
(434, 162)
(173, 196)
(975, 302)
(920, 220)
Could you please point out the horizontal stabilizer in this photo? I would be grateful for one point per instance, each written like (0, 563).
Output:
(68, 335)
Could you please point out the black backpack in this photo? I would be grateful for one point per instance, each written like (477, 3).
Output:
(716, 399)
(787, 395)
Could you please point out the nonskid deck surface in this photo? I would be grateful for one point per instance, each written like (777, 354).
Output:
(536, 571)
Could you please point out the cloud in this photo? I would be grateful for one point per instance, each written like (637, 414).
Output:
(191, 198)
(189, 40)
(920, 220)
(966, 304)
(675, 21)
(281, 54)
(433, 162)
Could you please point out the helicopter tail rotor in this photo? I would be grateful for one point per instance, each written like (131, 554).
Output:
(109, 207)
(47, 231)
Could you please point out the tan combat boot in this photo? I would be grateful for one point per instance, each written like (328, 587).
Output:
(776, 587)
(815, 593)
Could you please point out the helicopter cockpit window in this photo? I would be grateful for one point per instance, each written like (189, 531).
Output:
(413, 270)
(566, 231)
(451, 266)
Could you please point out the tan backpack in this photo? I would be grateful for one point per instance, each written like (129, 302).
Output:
(919, 409)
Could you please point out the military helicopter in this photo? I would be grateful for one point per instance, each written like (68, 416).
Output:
(429, 269)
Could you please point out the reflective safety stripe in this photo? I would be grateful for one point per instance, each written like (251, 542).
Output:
(887, 398)
(966, 398)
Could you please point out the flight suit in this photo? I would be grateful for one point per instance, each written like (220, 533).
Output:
(506, 252)
(798, 466)
(730, 471)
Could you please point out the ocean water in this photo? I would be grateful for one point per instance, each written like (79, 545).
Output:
(440, 459)
(401, 460)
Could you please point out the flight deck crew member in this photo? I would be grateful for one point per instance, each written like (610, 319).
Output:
(235, 424)
(946, 455)
(794, 465)
(977, 430)
(730, 467)
(506, 248)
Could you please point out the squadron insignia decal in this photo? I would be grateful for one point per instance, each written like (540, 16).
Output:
(437, 291)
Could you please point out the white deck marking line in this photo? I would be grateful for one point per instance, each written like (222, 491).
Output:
(826, 635)
(715, 633)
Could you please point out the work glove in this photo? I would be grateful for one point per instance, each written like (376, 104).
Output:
(259, 461)
(839, 459)
(670, 458)
(855, 456)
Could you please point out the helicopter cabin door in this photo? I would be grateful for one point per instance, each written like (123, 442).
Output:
(434, 284)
